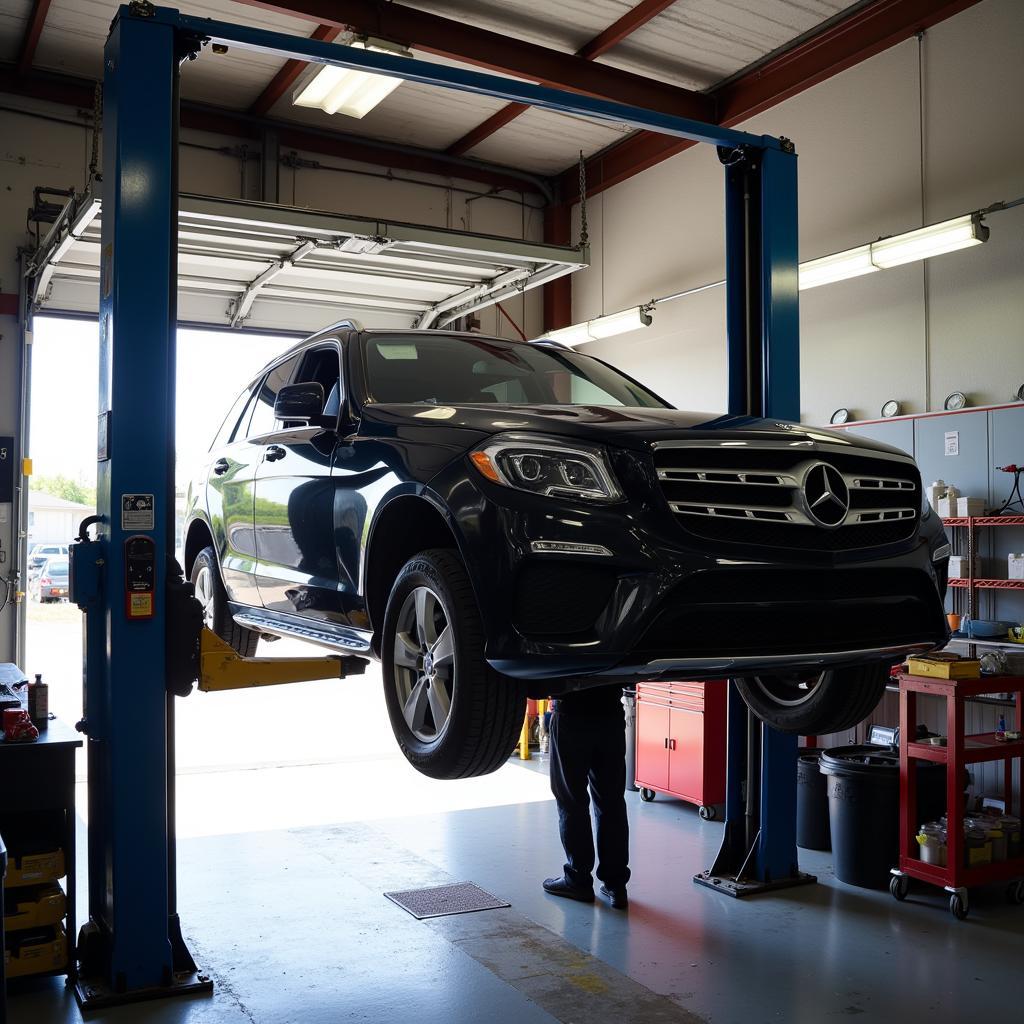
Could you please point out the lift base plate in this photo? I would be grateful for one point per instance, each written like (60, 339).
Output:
(750, 887)
(96, 994)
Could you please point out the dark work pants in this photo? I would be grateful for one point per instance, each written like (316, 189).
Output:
(591, 752)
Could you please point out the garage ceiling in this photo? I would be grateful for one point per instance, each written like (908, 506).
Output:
(281, 268)
(692, 44)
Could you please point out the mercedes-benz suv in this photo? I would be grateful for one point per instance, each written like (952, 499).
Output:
(496, 519)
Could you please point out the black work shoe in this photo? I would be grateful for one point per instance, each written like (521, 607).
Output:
(617, 898)
(560, 887)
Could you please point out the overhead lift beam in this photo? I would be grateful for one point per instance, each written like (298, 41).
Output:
(134, 947)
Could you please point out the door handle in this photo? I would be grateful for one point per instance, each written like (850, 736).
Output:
(671, 744)
(275, 452)
(220, 467)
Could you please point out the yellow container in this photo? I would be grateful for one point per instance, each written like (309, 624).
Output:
(34, 906)
(38, 952)
(944, 668)
(34, 868)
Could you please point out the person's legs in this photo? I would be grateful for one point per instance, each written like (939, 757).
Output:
(608, 786)
(570, 758)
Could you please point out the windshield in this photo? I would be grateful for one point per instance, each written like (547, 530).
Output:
(442, 369)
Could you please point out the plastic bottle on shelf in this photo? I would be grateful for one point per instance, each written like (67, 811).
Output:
(935, 491)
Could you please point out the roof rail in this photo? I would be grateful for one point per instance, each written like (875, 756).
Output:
(352, 325)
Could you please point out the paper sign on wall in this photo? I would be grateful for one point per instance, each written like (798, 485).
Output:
(952, 442)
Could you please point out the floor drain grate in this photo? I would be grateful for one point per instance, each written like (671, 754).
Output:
(442, 900)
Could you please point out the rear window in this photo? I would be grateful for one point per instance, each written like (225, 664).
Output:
(58, 568)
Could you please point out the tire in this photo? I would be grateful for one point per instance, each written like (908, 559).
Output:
(647, 795)
(899, 887)
(958, 907)
(213, 597)
(458, 718)
(815, 705)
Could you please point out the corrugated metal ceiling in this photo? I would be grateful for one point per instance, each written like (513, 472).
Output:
(694, 43)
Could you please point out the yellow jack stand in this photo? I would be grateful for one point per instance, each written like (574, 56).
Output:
(222, 668)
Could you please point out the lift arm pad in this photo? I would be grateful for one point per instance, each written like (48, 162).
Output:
(222, 668)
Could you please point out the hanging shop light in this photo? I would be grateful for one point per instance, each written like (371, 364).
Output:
(921, 244)
(603, 326)
(347, 90)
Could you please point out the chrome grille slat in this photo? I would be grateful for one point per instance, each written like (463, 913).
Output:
(757, 496)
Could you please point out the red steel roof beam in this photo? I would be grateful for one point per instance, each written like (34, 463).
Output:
(33, 31)
(290, 71)
(602, 43)
(495, 51)
(842, 44)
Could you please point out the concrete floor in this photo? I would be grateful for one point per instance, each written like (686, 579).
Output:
(289, 838)
(293, 927)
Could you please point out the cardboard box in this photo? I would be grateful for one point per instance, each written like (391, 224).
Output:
(970, 507)
(958, 567)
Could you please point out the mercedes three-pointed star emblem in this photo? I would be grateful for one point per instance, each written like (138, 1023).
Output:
(826, 495)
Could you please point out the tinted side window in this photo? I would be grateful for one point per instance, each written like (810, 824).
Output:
(227, 428)
(323, 366)
(263, 421)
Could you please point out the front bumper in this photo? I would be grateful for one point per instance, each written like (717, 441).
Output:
(665, 604)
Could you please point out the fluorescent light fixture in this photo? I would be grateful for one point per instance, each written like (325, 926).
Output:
(933, 240)
(837, 267)
(603, 326)
(348, 91)
(922, 244)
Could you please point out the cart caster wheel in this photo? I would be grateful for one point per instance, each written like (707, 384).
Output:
(647, 795)
(1015, 893)
(899, 886)
(707, 812)
(958, 906)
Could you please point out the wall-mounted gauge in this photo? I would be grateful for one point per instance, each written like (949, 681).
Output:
(957, 400)
(890, 409)
(843, 416)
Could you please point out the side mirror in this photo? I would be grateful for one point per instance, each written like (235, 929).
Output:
(299, 402)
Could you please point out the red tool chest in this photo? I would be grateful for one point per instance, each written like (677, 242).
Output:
(680, 742)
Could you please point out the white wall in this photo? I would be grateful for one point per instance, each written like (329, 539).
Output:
(914, 333)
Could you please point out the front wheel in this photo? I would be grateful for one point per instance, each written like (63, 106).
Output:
(817, 703)
(210, 593)
(453, 715)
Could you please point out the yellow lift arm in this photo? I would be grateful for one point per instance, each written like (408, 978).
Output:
(222, 668)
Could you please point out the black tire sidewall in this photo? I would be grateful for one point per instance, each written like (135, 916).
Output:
(423, 571)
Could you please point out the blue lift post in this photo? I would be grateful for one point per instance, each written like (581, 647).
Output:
(131, 946)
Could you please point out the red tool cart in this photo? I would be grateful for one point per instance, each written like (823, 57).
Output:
(680, 742)
(956, 877)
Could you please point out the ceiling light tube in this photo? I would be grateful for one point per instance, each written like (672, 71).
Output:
(837, 267)
(934, 240)
(603, 326)
(346, 90)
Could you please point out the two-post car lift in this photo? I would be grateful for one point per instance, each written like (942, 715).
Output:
(132, 944)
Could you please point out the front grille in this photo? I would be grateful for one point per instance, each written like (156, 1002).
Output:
(789, 497)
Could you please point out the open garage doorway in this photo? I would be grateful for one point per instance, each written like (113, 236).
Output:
(307, 754)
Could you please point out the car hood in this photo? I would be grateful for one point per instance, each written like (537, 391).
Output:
(628, 428)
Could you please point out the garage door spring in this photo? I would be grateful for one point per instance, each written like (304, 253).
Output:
(584, 233)
(97, 117)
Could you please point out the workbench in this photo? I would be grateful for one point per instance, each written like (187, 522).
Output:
(37, 821)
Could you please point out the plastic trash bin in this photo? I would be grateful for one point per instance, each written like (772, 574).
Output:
(812, 818)
(864, 809)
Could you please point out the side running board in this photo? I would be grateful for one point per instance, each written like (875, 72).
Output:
(265, 624)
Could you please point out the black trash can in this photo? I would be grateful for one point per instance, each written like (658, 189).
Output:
(812, 818)
(864, 809)
(629, 703)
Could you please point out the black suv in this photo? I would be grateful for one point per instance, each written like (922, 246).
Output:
(498, 519)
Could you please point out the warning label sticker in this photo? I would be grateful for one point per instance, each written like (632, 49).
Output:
(137, 512)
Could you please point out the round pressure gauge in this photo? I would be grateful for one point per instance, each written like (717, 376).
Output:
(843, 416)
(957, 400)
(891, 408)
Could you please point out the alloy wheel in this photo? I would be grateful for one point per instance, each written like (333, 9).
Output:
(424, 664)
(204, 594)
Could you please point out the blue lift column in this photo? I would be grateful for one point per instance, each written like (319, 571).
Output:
(763, 331)
(130, 948)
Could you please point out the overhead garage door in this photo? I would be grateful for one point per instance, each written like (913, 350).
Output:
(282, 268)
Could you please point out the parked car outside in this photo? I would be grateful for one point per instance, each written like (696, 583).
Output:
(40, 553)
(497, 519)
(51, 582)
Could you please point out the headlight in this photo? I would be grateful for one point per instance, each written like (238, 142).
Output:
(547, 466)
